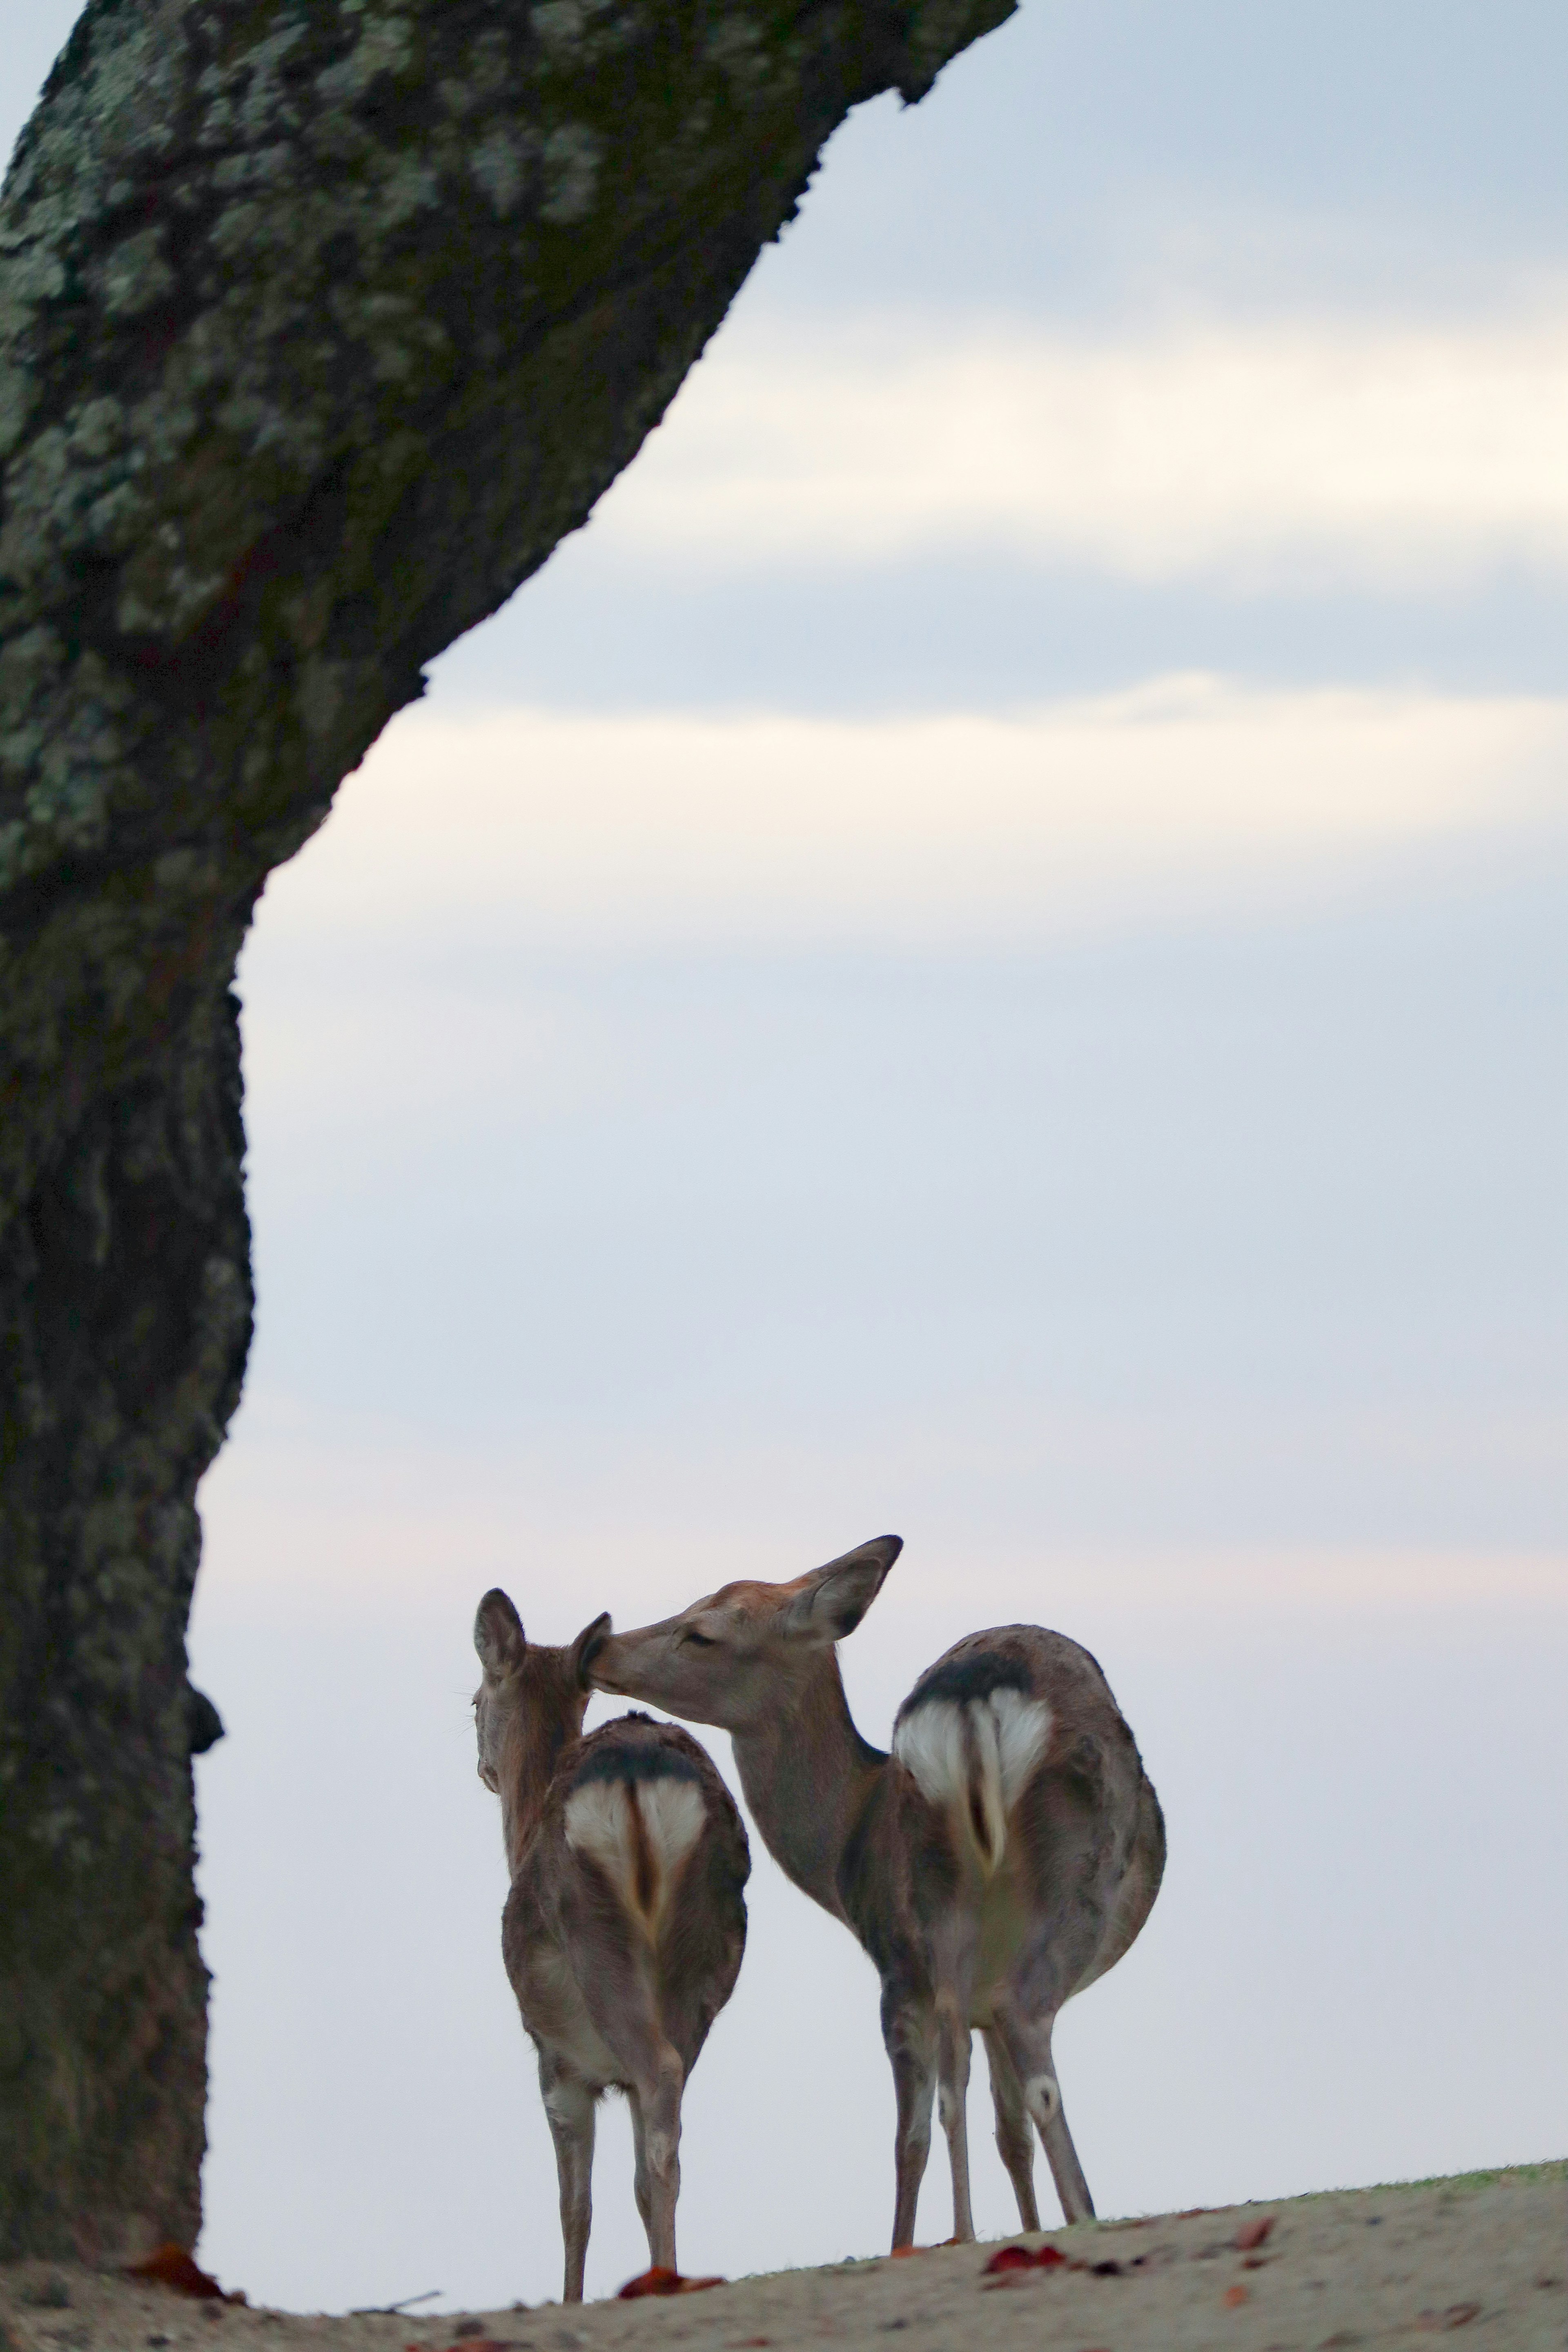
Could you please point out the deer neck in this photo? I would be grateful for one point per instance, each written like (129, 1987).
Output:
(532, 1754)
(807, 1775)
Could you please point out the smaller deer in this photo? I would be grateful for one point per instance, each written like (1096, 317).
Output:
(625, 1926)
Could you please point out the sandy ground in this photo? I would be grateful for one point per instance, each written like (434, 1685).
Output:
(1485, 2254)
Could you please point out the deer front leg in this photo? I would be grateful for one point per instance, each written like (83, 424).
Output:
(569, 2105)
(952, 2106)
(1015, 2140)
(907, 2032)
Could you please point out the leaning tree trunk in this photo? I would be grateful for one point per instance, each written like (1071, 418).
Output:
(321, 322)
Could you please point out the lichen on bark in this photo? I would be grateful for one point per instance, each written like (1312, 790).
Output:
(322, 322)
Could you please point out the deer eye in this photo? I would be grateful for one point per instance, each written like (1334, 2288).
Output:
(699, 1641)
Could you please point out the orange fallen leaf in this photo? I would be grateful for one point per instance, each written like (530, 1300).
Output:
(1457, 2314)
(172, 2266)
(1235, 2296)
(1252, 2234)
(663, 2282)
(1019, 2258)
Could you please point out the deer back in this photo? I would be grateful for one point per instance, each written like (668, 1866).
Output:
(1024, 1766)
(633, 1880)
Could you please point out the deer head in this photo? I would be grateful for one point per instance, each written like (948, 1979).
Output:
(736, 1657)
(530, 1703)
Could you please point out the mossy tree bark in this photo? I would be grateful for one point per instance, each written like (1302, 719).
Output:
(321, 322)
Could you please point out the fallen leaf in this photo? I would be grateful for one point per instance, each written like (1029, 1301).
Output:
(750, 2343)
(1252, 2234)
(172, 2266)
(1235, 2296)
(1019, 2258)
(1457, 2314)
(663, 2282)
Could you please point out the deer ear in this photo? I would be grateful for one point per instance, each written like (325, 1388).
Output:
(499, 1636)
(583, 1647)
(832, 1600)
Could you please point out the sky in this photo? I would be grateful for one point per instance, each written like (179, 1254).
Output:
(980, 954)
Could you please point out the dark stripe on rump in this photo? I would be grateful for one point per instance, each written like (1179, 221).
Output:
(973, 1677)
(644, 1877)
(616, 1760)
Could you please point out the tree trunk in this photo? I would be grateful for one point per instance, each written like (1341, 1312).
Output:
(321, 321)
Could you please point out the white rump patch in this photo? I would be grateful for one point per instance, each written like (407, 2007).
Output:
(930, 1743)
(674, 1817)
(599, 1824)
(1023, 1725)
(973, 1757)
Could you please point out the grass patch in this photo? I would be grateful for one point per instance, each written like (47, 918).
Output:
(1554, 2168)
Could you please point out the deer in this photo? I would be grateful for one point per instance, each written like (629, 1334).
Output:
(1002, 1857)
(625, 1922)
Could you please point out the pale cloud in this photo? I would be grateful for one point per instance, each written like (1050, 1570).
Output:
(1184, 796)
(297, 1518)
(1278, 454)
(331, 1050)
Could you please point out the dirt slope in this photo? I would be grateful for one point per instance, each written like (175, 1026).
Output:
(1483, 2254)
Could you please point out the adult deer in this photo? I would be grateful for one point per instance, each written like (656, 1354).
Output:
(1003, 1857)
(625, 1922)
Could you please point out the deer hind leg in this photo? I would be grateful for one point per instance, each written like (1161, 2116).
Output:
(655, 2099)
(907, 2032)
(569, 2105)
(952, 2106)
(1015, 2137)
(641, 2186)
(1029, 2048)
